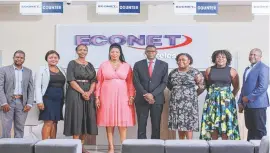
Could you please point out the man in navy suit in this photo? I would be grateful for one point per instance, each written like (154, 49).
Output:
(254, 98)
(150, 80)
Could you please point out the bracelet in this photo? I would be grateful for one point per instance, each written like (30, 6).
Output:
(132, 97)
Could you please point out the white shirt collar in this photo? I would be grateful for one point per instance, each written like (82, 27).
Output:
(148, 61)
(15, 68)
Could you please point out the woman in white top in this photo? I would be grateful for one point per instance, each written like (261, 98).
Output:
(50, 86)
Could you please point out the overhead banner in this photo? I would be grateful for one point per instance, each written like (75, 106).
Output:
(196, 8)
(206, 8)
(170, 40)
(129, 7)
(261, 8)
(185, 8)
(107, 8)
(41, 8)
(116, 8)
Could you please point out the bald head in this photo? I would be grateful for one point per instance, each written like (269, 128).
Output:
(255, 55)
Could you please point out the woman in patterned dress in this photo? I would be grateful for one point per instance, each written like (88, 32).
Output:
(219, 118)
(185, 83)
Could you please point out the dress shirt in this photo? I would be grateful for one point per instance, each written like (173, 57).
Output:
(248, 70)
(18, 83)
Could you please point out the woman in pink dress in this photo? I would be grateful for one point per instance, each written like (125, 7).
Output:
(115, 95)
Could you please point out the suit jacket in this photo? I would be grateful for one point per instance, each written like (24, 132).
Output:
(7, 85)
(255, 87)
(42, 79)
(154, 85)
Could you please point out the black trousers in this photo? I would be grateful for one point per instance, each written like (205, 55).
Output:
(255, 119)
(142, 111)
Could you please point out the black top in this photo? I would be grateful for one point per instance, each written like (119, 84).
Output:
(220, 76)
(57, 80)
(80, 114)
(81, 72)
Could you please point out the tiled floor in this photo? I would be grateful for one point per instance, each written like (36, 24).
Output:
(102, 151)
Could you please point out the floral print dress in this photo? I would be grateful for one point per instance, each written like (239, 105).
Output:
(183, 104)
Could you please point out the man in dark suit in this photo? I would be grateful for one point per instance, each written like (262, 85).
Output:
(254, 98)
(150, 80)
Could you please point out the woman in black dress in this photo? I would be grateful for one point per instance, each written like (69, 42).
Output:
(50, 88)
(80, 112)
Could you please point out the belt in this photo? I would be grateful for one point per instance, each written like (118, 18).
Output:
(17, 96)
(82, 80)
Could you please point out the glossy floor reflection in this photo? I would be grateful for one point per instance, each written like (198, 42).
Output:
(101, 149)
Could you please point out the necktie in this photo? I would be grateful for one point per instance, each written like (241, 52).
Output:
(150, 69)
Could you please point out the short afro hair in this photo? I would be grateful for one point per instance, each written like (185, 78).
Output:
(19, 52)
(223, 52)
(187, 55)
(51, 52)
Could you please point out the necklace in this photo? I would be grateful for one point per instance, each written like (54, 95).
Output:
(54, 69)
(83, 62)
(115, 64)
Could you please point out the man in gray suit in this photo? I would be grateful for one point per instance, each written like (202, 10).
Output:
(16, 95)
(150, 80)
